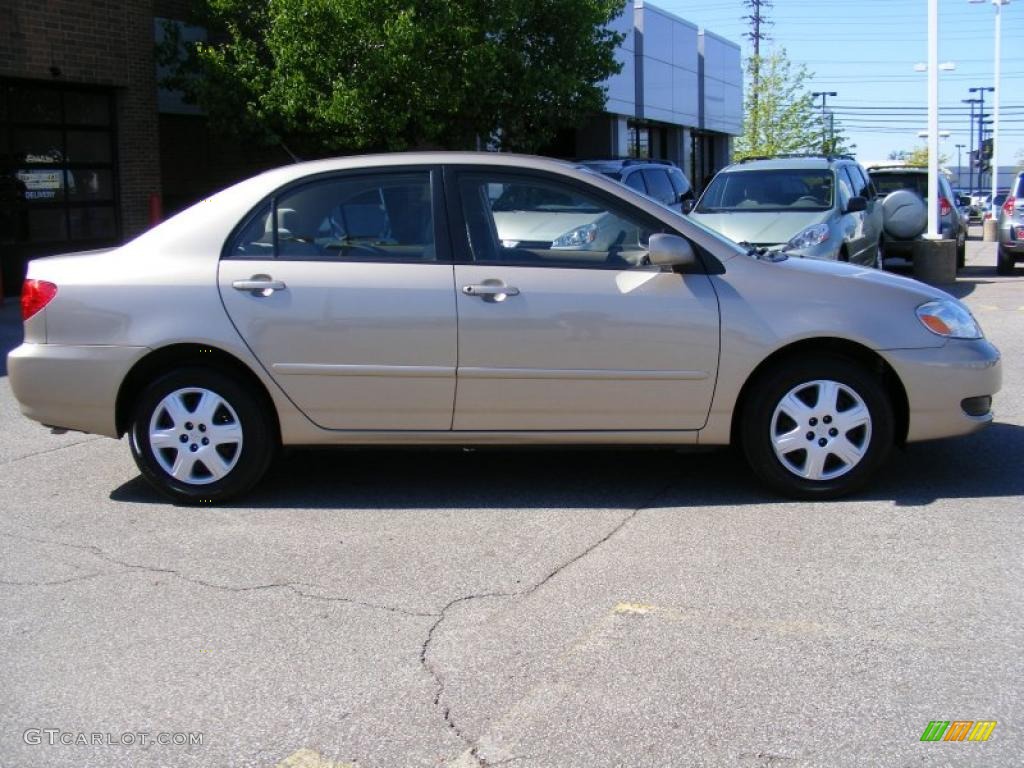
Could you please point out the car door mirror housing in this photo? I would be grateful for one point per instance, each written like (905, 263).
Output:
(687, 205)
(856, 205)
(671, 251)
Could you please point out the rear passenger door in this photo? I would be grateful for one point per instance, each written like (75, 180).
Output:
(341, 286)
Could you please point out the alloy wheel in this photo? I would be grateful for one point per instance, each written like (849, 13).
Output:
(195, 436)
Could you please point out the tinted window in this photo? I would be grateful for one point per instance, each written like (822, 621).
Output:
(1020, 187)
(551, 224)
(385, 217)
(862, 184)
(636, 181)
(771, 190)
(890, 181)
(680, 184)
(852, 181)
(659, 187)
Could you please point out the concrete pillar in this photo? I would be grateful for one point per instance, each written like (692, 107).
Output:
(989, 230)
(935, 261)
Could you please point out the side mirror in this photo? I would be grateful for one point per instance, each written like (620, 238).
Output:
(688, 205)
(856, 205)
(670, 251)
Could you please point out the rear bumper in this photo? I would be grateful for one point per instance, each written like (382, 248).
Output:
(74, 387)
(939, 380)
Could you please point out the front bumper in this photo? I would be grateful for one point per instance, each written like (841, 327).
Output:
(938, 381)
(73, 387)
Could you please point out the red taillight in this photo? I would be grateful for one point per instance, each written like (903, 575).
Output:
(944, 207)
(35, 294)
(1008, 205)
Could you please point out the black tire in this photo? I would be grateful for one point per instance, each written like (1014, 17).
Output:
(242, 461)
(760, 424)
(1004, 262)
(961, 254)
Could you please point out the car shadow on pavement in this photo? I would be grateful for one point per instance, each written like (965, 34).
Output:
(11, 333)
(984, 465)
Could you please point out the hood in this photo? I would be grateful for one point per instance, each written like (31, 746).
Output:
(866, 276)
(761, 227)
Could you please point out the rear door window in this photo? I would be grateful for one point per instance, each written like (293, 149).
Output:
(659, 187)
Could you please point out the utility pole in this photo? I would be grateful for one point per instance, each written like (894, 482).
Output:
(981, 91)
(970, 153)
(959, 170)
(758, 23)
(824, 135)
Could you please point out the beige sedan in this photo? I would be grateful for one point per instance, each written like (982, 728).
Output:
(483, 299)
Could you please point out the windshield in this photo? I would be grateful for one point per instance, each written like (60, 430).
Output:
(775, 190)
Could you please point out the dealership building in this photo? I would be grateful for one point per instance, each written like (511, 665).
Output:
(92, 151)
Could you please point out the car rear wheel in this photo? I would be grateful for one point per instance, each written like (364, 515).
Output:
(200, 437)
(1004, 262)
(961, 252)
(817, 429)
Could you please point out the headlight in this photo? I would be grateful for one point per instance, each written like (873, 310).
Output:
(811, 236)
(950, 319)
(576, 238)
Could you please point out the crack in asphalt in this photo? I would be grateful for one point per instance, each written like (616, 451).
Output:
(432, 669)
(297, 587)
(51, 450)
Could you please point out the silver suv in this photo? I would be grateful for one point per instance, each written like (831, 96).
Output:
(816, 207)
(1011, 228)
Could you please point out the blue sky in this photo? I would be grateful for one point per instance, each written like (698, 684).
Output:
(865, 50)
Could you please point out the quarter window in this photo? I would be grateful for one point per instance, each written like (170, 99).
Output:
(533, 222)
(384, 217)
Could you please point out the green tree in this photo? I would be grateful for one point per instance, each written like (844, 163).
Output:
(329, 76)
(919, 157)
(780, 116)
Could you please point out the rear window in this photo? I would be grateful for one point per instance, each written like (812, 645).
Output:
(1020, 187)
(890, 182)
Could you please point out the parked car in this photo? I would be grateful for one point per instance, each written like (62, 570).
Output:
(816, 207)
(341, 302)
(660, 180)
(1010, 228)
(898, 245)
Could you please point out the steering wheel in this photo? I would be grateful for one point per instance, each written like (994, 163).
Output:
(807, 200)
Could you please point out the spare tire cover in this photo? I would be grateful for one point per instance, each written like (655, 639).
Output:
(904, 214)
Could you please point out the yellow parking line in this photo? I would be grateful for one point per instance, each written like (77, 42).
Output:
(307, 758)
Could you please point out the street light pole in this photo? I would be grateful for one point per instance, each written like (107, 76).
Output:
(981, 91)
(970, 152)
(995, 96)
(933, 120)
(824, 133)
(959, 169)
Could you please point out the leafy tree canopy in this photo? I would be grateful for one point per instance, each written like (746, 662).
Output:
(781, 117)
(328, 76)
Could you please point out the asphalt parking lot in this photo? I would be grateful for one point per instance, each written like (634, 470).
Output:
(554, 608)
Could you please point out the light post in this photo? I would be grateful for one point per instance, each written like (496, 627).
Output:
(933, 120)
(995, 96)
(824, 135)
(970, 151)
(959, 170)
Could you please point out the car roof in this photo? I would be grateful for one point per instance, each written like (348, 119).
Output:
(614, 165)
(897, 169)
(785, 163)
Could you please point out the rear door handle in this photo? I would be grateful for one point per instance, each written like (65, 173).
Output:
(259, 285)
(490, 291)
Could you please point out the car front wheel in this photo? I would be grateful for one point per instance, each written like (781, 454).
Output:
(1004, 262)
(817, 429)
(198, 436)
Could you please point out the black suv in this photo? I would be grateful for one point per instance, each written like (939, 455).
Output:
(660, 180)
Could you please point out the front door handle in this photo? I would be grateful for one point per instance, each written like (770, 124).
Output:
(490, 291)
(259, 285)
